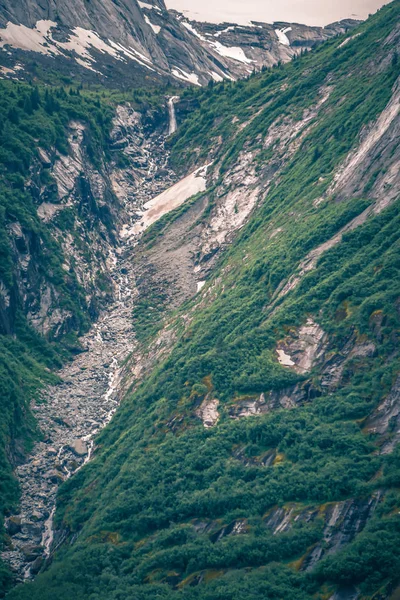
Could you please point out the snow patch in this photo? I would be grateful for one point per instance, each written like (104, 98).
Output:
(190, 28)
(200, 285)
(285, 359)
(24, 38)
(282, 37)
(132, 54)
(216, 77)
(304, 349)
(172, 198)
(231, 52)
(230, 28)
(155, 28)
(81, 41)
(148, 6)
(347, 40)
(189, 77)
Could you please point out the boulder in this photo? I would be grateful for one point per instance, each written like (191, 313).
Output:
(78, 447)
(37, 565)
(31, 552)
(54, 476)
(13, 525)
(37, 516)
(31, 530)
(64, 422)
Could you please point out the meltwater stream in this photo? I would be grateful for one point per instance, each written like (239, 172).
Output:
(173, 126)
(70, 414)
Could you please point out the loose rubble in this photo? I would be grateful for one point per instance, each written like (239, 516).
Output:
(70, 414)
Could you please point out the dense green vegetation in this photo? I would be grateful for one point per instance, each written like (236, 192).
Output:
(147, 515)
(32, 118)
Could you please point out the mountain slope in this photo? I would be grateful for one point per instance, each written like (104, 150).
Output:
(62, 204)
(259, 457)
(139, 43)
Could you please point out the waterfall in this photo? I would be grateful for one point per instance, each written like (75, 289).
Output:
(173, 126)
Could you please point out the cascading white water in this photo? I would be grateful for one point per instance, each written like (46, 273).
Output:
(173, 126)
(75, 410)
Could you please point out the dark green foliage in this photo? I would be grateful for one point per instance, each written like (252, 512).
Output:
(154, 514)
(33, 118)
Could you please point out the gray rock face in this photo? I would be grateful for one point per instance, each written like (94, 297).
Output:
(343, 521)
(145, 42)
(73, 412)
(78, 447)
(386, 420)
(31, 552)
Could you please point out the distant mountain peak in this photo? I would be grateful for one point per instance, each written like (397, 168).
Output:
(141, 42)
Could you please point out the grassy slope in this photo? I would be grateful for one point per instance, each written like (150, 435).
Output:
(134, 506)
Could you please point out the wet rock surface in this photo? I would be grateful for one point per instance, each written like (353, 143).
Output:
(70, 414)
(345, 593)
(343, 521)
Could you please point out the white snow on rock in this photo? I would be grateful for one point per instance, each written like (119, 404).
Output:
(81, 41)
(304, 348)
(282, 37)
(200, 285)
(230, 28)
(24, 38)
(231, 52)
(189, 77)
(132, 54)
(349, 39)
(148, 6)
(216, 77)
(285, 359)
(190, 28)
(172, 198)
(155, 28)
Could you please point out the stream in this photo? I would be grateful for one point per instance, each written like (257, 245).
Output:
(72, 413)
(173, 126)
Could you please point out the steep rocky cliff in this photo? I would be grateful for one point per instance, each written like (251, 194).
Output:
(140, 43)
(89, 166)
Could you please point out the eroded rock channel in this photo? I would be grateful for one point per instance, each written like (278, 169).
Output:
(70, 414)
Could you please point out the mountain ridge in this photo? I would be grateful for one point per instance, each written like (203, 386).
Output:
(143, 43)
